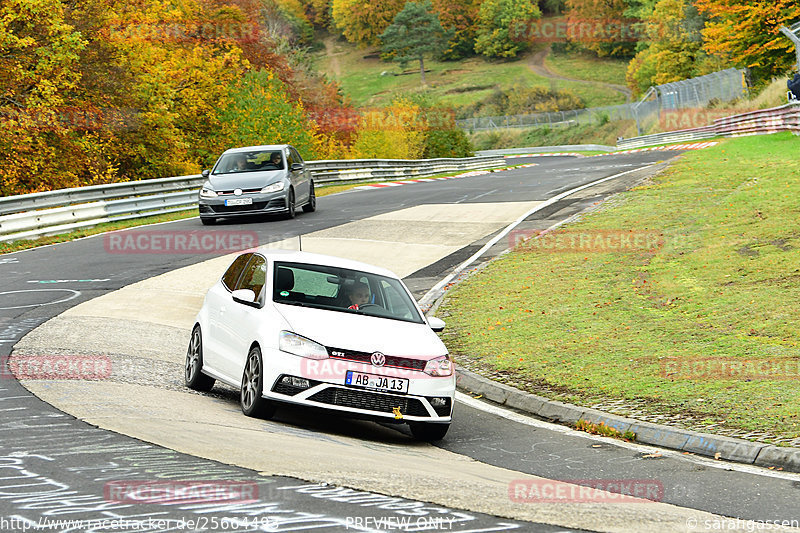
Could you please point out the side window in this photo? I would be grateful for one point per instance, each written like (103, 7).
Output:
(231, 276)
(254, 276)
(395, 302)
(296, 156)
(290, 161)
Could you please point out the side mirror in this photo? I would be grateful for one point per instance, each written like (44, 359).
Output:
(206, 173)
(297, 166)
(436, 324)
(245, 296)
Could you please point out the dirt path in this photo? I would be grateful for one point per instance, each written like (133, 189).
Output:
(537, 65)
(330, 51)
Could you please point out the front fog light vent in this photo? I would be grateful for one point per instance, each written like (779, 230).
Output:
(438, 402)
(293, 381)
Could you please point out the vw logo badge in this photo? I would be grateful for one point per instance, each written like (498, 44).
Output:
(378, 359)
(237, 192)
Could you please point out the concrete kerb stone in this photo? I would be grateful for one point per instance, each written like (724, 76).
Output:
(729, 449)
(779, 457)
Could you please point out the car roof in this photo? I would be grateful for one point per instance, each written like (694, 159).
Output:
(294, 256)
(253, 148)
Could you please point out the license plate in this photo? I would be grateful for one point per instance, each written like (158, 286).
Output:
(374, 382)
(239, 201)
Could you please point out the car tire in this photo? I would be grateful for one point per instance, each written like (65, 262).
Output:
(291, 210)
(253, 387)
(193, 376)
(427, 431)
(311, 206)
(208, 221)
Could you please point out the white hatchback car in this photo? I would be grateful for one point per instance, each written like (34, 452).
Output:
(323, 332)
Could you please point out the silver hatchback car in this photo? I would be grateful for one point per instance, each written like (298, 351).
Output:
(256, 180)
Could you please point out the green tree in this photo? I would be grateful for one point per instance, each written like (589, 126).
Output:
(501, 28)
(414, 33)
(259, 110)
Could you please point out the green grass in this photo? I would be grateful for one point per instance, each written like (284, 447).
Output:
(588, 326)
(588, 67)
(605, 134)
(453, 83)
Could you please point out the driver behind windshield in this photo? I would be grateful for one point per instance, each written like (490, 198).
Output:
(357, 294)
(239, 163)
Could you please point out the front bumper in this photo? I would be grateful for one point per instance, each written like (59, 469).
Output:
(327, 390)
(262, 204)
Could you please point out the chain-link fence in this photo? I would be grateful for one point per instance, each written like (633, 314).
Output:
(724, 86)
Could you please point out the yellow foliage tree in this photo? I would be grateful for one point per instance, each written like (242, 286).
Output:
(395, 132)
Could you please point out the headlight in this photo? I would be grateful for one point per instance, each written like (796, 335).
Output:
(275, 187)
(439, 367)
(301, 346)
(205, 192)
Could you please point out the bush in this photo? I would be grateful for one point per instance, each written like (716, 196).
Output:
(447, 143)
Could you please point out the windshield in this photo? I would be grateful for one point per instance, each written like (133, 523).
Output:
(343, 290)
(256, 161)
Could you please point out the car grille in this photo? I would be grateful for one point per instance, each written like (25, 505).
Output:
(255, 206)
(244, 191)
(371, 401)
(364, 357)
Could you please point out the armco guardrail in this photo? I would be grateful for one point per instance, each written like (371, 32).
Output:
(33, 215)
(764, 121)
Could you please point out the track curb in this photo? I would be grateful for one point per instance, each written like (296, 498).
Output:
(728, 448)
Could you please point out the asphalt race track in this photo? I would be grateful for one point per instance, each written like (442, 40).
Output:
(57, 467)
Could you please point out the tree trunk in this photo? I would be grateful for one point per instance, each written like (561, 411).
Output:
(422, 69)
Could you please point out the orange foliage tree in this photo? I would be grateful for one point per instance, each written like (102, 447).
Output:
(747, 33)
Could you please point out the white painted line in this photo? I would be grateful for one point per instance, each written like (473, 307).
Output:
(429, 296)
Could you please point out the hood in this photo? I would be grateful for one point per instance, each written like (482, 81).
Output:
(363, 333)
(244, 180)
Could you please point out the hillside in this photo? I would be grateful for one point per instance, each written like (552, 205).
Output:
(368, 81)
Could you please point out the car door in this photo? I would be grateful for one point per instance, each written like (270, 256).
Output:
(302, 176)
(218, 302)
(243, 319)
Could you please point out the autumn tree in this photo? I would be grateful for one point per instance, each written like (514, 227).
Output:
(674, 51)
(459, 16)
(414, 33)
(502, 27)
(362, 22)
(747, 34)
(602, 26)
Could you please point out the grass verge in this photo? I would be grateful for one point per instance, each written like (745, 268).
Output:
(705, 325)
